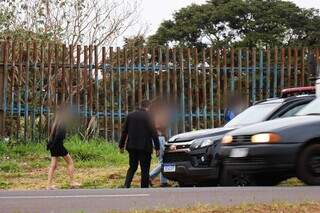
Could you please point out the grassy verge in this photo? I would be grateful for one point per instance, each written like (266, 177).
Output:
(98, 165)
(307, 207)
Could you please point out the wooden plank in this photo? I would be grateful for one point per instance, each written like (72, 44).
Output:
(283, 61)
(133, 80)
(49, 103)
(248, 76)
(275, 73)
(42, 96)
(63, 70)
(90, 92)
(56, 81)
(289, 68)
(26, 94)
(225, 76)
(268, 75)
(33, 97)
(218, 79)
(197, 88)
(295, 67)
(204, 88)
(105, 92)
(240, 70)
(96, 87)
(119, 90)
(211, 87)
(232, 71)
(254, 71)
(154, 86)
(261, 71)
(190, 99)
(126, 106)
(303, 52)
(175, 87)
(12, 77)
(160, 72)
(13, 86)
(70, 75)
(3, 89)
(139, 76)
(112, 93)
(20, 71)
(85, 83)
(182, 95)
(78, 82)
(168, 73)
(146, 65)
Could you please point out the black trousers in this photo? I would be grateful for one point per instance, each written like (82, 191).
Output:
(136, 157)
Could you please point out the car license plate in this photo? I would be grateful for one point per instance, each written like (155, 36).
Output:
(239, 153)
(169, 168)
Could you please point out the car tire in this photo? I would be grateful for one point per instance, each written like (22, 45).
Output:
(268, 180)
(308, 165)
(210, 183)
(184, 185)
(229, 178)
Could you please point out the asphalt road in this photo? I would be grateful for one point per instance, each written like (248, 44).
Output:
(91, 201)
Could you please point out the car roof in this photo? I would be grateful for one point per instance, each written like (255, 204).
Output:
(285, 100)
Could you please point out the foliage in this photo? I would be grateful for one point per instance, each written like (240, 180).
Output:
(97, 22)
(245, 23)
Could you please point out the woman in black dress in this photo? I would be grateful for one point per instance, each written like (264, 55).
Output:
(57, 149)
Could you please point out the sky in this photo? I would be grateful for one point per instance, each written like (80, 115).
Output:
(153, 12)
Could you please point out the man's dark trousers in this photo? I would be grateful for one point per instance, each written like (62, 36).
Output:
(136, 157)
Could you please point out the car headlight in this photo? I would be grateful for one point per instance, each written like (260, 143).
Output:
(265, 138)
(201, 143)
(227, 139)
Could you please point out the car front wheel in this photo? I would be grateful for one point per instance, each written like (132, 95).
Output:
(236, 179)
(308, 166)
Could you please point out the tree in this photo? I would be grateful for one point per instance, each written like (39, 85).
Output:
(97, 22)
(251, 23)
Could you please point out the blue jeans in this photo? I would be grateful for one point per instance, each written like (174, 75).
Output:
(156, 171)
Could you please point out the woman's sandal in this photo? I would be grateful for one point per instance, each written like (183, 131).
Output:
(52, 188)
(75, 185)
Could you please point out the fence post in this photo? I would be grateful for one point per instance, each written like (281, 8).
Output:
(2, 116)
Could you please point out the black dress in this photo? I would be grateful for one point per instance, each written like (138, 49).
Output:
(55, 144)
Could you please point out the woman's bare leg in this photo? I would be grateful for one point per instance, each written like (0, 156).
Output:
(53, 167)
(70, 168)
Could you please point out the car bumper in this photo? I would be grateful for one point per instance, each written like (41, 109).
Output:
(187, 173)
(260, 158)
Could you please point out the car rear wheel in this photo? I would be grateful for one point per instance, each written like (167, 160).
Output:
(236, 179)
(308, 166)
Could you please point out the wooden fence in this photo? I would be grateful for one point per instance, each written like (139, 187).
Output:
(104, 84)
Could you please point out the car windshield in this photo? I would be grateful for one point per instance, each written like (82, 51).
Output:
(311, 109)
(253, 114)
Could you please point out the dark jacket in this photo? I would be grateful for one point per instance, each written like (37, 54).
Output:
(139, 132)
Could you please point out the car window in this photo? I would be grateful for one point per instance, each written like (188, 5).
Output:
(311, 109)
(254, 114)
(292, 111)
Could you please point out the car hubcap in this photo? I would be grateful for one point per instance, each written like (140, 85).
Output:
(314, 164)
(241, 180)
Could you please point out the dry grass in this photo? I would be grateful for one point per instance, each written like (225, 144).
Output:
(107, 177)
(278, 207)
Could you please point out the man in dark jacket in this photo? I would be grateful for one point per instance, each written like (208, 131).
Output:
(138, 137)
